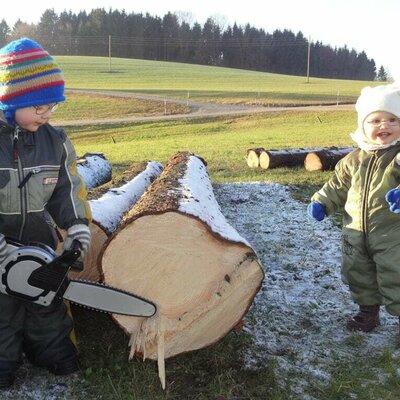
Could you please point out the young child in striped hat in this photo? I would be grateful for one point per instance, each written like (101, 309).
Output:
(38, 177)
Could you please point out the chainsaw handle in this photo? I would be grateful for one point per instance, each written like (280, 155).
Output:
(76, 248)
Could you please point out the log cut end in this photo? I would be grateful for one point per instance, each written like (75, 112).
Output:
(252, 157)
(202, 284)
(313, 162)
(264, 160)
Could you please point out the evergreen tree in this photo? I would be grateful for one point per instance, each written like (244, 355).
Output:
(382, 75)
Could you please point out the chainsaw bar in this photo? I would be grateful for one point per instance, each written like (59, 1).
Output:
(99, 297)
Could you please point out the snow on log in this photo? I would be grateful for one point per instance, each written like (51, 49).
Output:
(108, 209)
(325, 159)
(253, 157)
(176, 249)
(94, 169)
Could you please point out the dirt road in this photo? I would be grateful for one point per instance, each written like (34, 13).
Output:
(197, 109)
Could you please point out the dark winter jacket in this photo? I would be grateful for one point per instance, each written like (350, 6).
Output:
(38, 175)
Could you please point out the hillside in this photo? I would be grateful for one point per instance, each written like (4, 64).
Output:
(204, 83)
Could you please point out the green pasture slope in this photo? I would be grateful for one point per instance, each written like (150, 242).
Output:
(222, 141)
(201, 82)
(217, 372)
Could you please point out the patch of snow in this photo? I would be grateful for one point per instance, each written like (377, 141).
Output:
(299, 316)
(108, 210)
(93, 170)
(199, 200)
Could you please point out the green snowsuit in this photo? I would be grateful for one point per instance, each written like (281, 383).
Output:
(371, 233)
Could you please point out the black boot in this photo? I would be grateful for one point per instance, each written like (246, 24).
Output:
(65, 367)
(365, 320)
(6, 380)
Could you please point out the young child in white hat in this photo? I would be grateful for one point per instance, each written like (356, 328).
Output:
(366, 187)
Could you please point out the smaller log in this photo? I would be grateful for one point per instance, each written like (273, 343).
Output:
(325, 159)
(283, 158)
(108, 210)
(253, 156)
(94, 169)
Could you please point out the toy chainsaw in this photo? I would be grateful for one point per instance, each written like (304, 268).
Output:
(38, 274)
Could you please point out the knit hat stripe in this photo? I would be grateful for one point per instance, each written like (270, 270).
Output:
(17, 57)
(9, 91)
(26, 62)
(29, 76)
(18, 75)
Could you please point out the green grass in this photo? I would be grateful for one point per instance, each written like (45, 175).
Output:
(79, 106)
(221, 141)
(205, 83)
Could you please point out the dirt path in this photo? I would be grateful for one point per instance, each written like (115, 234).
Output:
(198, 109)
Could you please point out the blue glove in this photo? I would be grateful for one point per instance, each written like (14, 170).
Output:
(316, 210)
(393, 198)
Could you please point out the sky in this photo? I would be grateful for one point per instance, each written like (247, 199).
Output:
(368, 25)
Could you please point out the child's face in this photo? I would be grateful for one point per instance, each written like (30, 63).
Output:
(382, 127)
(32, 118)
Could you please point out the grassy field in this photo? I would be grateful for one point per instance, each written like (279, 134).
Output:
(217, 372)
(199, 82)
(221, 141)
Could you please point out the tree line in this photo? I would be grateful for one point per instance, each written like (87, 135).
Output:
(175, 38)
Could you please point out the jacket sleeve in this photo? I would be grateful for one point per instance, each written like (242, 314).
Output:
(333, 194)
(68, 204)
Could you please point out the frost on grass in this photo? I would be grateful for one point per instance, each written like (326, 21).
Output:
(298, 318)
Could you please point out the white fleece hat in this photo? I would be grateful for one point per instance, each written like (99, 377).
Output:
(372, 99)
(378, 98)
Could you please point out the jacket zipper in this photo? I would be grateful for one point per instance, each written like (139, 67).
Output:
(18, 164)
(364, 208)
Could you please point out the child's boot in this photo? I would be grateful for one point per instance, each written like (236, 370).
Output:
(365, 320)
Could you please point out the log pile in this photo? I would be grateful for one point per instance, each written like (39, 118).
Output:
(176, 249)
(267, 159)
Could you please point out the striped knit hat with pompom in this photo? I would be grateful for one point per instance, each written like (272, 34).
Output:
(28, 76)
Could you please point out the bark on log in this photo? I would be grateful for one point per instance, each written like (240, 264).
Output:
(253, 157)
(176, 249)
(282, 158)
(94, 169)
(325, 159)
(117, 197)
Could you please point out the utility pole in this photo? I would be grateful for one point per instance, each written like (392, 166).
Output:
(308, 59)
(109, 53)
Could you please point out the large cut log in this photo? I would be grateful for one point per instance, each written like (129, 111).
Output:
(282, 158)
(325, 159)
(253, 157)
(94, 169)
(116, 198)
(176, 249)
